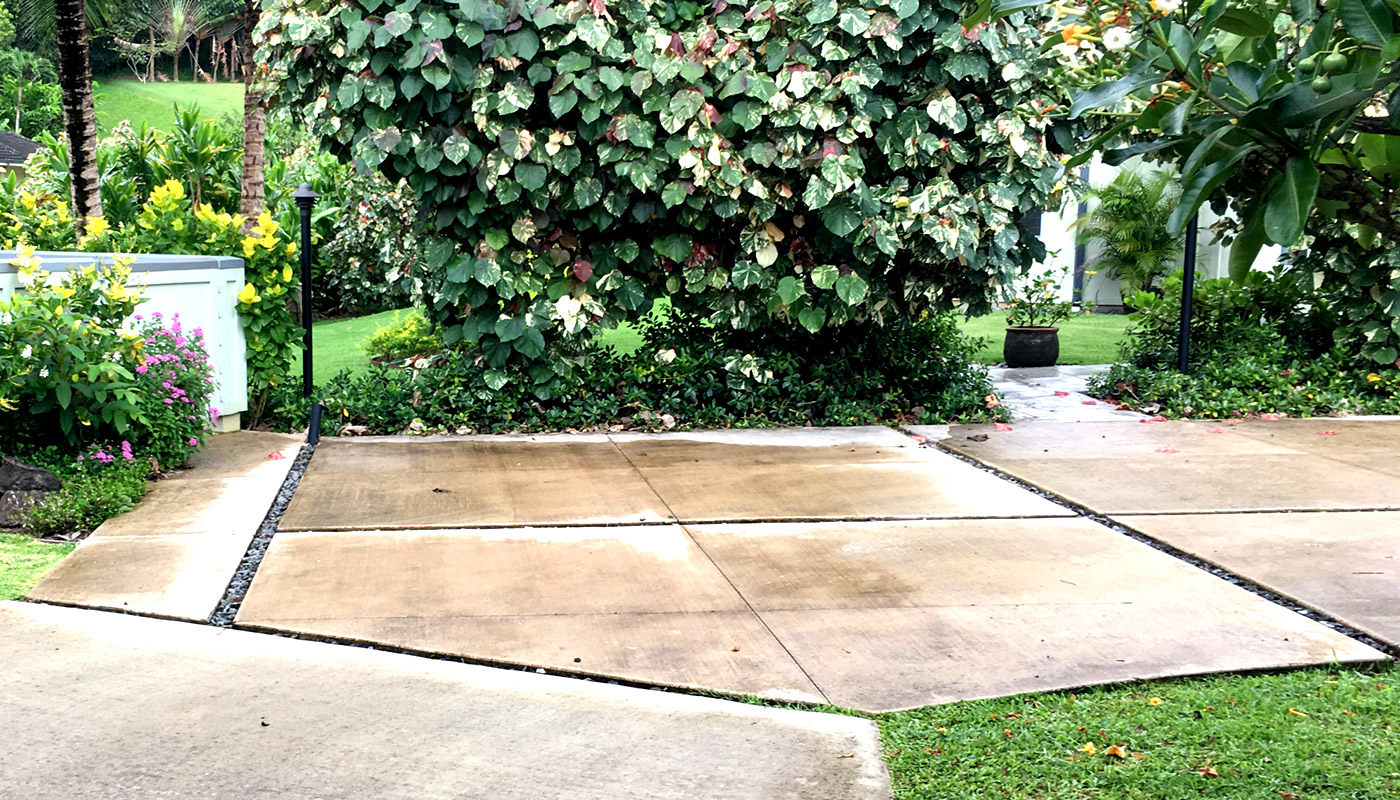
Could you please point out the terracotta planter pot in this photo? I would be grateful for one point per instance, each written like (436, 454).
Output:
(1031, 347)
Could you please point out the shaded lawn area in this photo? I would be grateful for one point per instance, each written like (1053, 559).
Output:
(23, 561)
(1091, 339)
(1303, 735)
(339, 343)
(153, 103)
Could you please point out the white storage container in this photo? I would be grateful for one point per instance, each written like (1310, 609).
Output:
(201, 289)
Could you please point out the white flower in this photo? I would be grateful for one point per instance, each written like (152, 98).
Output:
(1117, 38)
(44, 373)
(1068, 50)
(27, 352)
(1166, 6)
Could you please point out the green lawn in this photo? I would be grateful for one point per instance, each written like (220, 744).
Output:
(337, 344)
(153, 103)
(1091, 339)
(1304, 735)
(23, 561)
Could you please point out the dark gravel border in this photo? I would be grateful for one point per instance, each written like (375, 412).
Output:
(227, 609)
(1181, 555)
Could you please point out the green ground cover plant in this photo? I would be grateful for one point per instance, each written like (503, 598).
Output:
(686, 373)
(24, 560)
(1304, 735)
(1261, 346)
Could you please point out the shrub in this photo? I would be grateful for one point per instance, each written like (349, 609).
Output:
(93, 492)
(688, 374)
(779, 165)
(1264, 346)
(1129, 223)
(73, 372)
(174, 383)
(404, 338)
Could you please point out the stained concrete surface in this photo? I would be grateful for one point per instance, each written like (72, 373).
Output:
(1200, 467)
(97, 706)
(1344, 564)
(465, 482)
(175, 552)
(874, 615)
(1054, 394)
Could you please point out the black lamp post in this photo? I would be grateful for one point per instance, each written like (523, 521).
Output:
(1188, 291)
(305, 199)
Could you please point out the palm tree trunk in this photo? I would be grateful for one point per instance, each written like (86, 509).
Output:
(75, 81)
(250, 203)
(19, 101)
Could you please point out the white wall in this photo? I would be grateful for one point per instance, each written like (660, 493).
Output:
(1212, 258)
(201, 289)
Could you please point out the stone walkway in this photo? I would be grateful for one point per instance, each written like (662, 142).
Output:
(1054, 394)
(99, 706)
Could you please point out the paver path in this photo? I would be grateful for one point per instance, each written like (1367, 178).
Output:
(96, 706)
(847, 566)
(1307, 507)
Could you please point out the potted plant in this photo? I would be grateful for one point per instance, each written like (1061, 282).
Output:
(1032, 338)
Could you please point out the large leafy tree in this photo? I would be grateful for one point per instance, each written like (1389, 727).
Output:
(784, 166)
(1286, 112)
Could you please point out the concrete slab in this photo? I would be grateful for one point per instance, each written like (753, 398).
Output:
(175, 552)
(502, 572)
(1344, 564)
(885, 616)
(889, 659)
(724, 651)
(1159, 483)
(806, 566)
(701, 481)
(97, 706)
(641, 603)
(1208, 467)
(369, 484)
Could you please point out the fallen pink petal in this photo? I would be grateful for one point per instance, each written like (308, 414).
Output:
(1001, 427)
(1269, 417)
(1216, 430)
(1059, 393)
(1088, 402)
(1327, 433)
(1166, 450)
(274, 456)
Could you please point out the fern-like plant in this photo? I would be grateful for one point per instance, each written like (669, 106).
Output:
(1129, 224)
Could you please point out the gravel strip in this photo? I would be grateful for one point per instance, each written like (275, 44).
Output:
(1181, 555)
(248, 567)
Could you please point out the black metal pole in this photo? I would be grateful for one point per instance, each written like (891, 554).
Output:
(305, 199)
(1188, 291)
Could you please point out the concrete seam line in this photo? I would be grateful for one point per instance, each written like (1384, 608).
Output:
(691, 536)
(242, 578)
(1315, 614)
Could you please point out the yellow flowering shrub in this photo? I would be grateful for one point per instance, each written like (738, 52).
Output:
(169, 222)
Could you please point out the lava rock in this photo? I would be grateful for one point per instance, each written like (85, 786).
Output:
(21, 486)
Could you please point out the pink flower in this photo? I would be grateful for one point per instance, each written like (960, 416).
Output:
(142, 369)
(169, 402)
(193, 441)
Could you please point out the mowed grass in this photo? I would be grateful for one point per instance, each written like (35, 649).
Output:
(338, 344)
(1303, 735)
(23, 561)
(1091, 339)
(153, 103)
